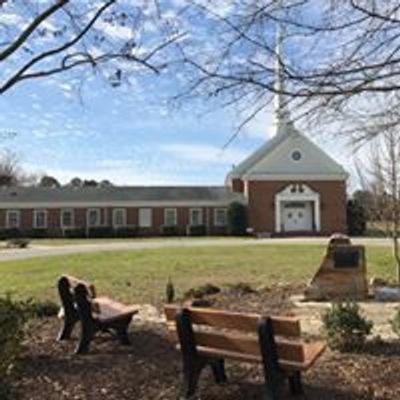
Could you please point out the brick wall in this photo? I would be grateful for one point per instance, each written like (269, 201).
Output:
(262, 204)
(54, 218)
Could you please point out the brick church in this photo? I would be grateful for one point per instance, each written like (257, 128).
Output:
(289, 186)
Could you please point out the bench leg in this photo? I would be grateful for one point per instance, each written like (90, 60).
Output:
(66, 330)
(295, 384)
(218, 368)
(191, 376)
(87, 334)
(123, 336)
(273, 375)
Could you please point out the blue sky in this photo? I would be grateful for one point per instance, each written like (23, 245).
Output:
(130, 134)
(125, 135)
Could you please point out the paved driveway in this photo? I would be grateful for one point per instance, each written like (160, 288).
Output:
(47, 251)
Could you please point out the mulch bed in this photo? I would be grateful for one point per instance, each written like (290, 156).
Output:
(150, 368)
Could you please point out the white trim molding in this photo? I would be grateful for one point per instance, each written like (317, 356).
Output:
(114, 217)
(175, 218)
(303, 177)
(297, 192)
(18, 219)
(200, 221)
(216, 221)
(67, 210)
(145, 217)
(98, 221)
(35, 217)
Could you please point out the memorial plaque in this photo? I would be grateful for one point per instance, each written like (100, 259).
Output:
(346, 258)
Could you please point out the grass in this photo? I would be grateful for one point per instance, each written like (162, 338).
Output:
(141, 275)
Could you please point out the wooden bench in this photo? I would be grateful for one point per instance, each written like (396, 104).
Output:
(80, 303)
(206, 337)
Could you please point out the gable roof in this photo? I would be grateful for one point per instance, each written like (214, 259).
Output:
(273, 160)
(126, 195)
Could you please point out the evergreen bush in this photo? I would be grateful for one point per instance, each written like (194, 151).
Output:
(345, 328)
(356, 218)
(237, 219)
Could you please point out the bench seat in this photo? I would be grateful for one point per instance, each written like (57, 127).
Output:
(107, 310)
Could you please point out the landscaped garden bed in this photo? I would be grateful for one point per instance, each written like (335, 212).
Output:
(150, 368)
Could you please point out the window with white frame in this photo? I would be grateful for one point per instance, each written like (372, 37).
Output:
(145, 217)
(40, 219)
(67, 218)
(170, 216)
(196, 216)
(93, 217)
(119, 217)
(220, 216)
(12, 219)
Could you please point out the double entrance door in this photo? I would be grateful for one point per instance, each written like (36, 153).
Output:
(297, 216)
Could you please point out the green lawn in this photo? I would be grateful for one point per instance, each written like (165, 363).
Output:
(141, 275)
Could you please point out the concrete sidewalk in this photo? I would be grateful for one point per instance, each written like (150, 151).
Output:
(48, 251)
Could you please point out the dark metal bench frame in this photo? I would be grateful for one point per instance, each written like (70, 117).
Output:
(78, 306)
(194, 363)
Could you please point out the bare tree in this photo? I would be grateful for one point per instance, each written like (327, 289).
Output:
(9, 168)
(342, 58)
(39, 39)
(382, 178)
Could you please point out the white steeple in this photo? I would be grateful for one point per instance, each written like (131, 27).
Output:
(282, 120)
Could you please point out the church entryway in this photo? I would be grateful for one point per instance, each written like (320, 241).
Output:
(297, 216)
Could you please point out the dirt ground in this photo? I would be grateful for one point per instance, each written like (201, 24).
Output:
(150, 368)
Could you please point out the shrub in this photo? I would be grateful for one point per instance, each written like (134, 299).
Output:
(20, 243)
(196, 230)
(100, 232)
(166, 230)
(75, 233)
(356, 218)
(38, 233)
(237, 219)
(345, 328)
(126, 231)
(201, 291)
(170, 291)
(241, 288)
(41, 309)
(10, 234)
(13, 316)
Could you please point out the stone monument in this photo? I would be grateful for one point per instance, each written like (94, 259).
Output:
(342, 274)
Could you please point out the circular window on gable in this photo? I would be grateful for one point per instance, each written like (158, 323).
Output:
(296, 155)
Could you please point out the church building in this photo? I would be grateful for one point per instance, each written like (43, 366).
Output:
(289, 186)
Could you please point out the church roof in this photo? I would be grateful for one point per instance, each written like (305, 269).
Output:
(276, 160)
(118, 194)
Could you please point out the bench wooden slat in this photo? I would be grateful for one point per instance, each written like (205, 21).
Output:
(74, 282)
(246, 345)
(283, 326)
(312, 351)
(107, 309)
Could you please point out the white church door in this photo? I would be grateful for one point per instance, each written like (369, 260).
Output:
(297, 216)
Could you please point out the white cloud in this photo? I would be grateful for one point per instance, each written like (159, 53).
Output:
(114, 31)
(260, 126)
(117, 175)
(204, 153)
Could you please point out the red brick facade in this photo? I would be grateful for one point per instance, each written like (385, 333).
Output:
(132, 219)
(261, 204)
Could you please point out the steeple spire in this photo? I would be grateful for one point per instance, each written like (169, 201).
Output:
(282, 116)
